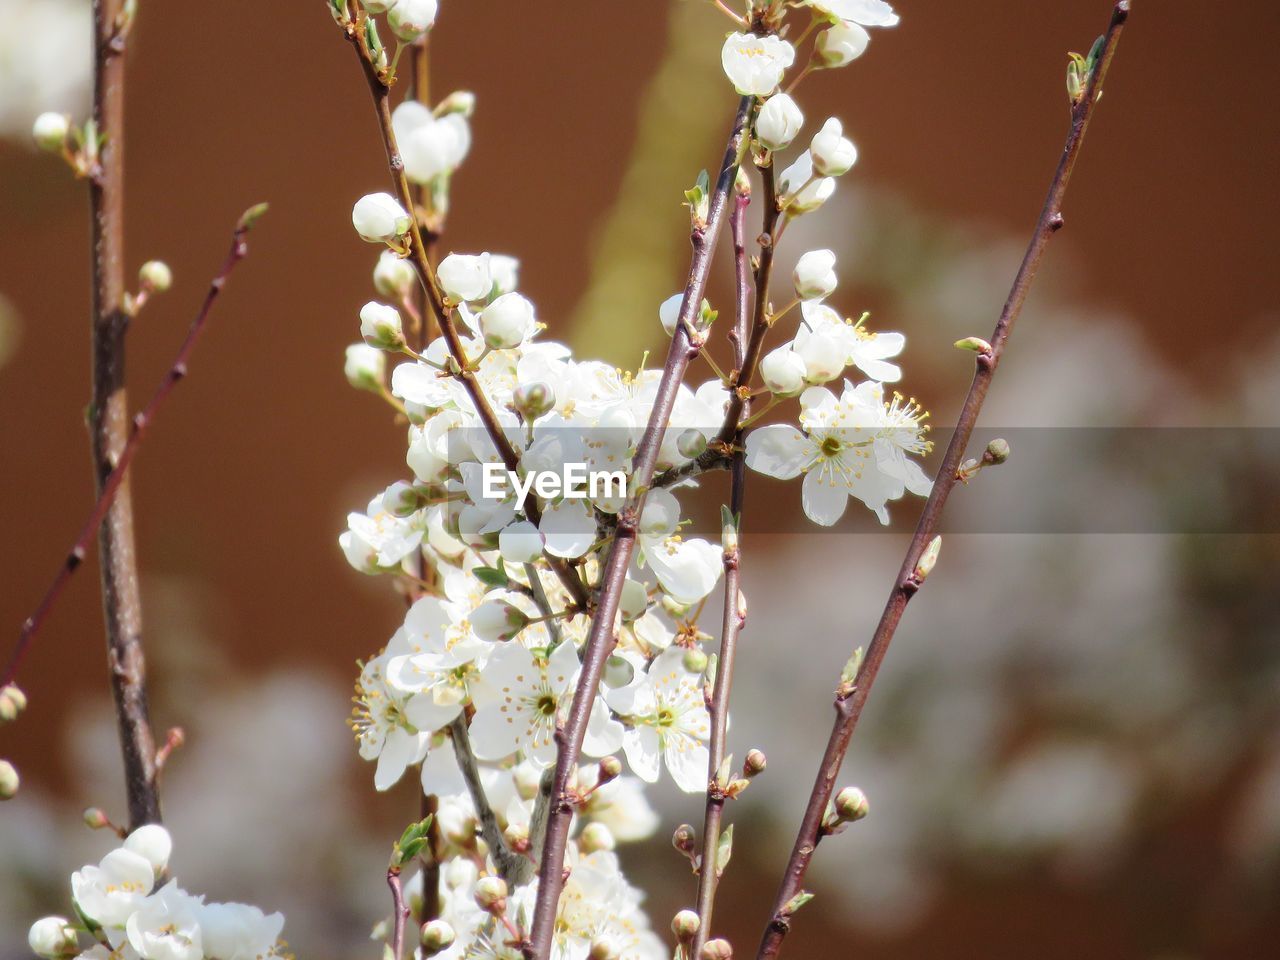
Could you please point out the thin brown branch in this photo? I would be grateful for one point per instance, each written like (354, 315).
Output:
(114, 484)
(734, 614)
(512, 867)
(400, 912)
(851, 697)
(685, 346)
(419, 256)
(108, 421)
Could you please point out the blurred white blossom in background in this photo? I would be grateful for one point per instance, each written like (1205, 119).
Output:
(46, 57)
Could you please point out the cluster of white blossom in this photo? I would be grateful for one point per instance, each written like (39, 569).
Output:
(128, 908)
(487, 659)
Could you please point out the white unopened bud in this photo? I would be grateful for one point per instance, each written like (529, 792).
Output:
(491, 894)
(393, 276)
(496, 620)
(779, 122)
(50, 131)
(381, 327)
(9, 780)
(410, 19)
(928, 559)
(12, 702)
(841, 44)
(851, 805)
(815, 275)
(534, 399)
(379, 218)
(695, 660)
(365, 367)
(460, 101)
(634, 600)
(803, 193)
(716, 950)
(155, 275)
(833, 154)
(465, 277)
(507, 322)
(596, 836)
(783, 371)
(153, 843)
(691, 443)
(669, 313)
(437, 935)
(685, 925)
(52, 938)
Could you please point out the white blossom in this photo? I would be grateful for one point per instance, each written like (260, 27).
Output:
(379, 218)
(841, 44)
(465, 277)
(410, 19)
(779, 122)
(166, 926)
(814, 275)
(832, 153)
(755, 65)
(869, 13)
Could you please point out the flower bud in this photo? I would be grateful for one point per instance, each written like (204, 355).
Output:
(851, 805)
(596, 836)
(997, 451)
(691, 443)
(393, 276)
(12, 702)
(496, 620)
(437, 935)
(754, 764)
(716, 950)
(379, 218)
(634, 601)
(534, 399)
(365, 367)
(695, 660)
(783, 371)
(520, 542)
(669, 313)
(610, 768)
(410, 19)
(50, 131)
(815, 275)
(973, 344)
(491, 895)
(832, 153)
(95, 818)
(156, 276)
(465, 277)
(516, 835)
(925, 565)
(507, 322)
(685, 925)
(153, 843)
(52, 938)
(779, 122)
(9, 780)
(841, 44)
(381, 327)
(683, 838)
(460, 101)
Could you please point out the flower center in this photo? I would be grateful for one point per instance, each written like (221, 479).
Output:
(831, 446)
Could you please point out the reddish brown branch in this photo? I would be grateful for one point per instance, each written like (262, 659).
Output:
(601, 638)
(400, 912)
(734, 617)
(114, 484)
(851, 698)
(419, 256)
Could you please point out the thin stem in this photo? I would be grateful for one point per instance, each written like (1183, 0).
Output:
(513, 868)
(851, 697)
(601, 638)
(429, 861)
(400, 912)
(109, 422)
(734, 616)
(114, 483)
(440, 309)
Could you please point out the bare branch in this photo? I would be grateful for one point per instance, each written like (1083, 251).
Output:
(851, 697)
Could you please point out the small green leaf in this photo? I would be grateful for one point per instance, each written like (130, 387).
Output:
(252, 216)
(724, 850)
(796, 902)
(490, 576)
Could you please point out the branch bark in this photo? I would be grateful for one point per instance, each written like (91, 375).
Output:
(734, 616)
(685, 346)
(114, 483)
(109, 421)
(851, 698)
